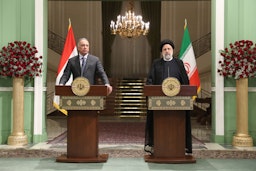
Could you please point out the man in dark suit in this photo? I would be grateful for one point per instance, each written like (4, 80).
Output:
(85, 65)
(166, 66)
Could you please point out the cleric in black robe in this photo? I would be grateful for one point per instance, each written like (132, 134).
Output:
(161, 68)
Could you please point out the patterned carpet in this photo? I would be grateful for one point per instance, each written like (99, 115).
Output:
(119, 133)
(114, 133)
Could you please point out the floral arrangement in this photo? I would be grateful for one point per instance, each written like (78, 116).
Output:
(19, 59)
(239, 60)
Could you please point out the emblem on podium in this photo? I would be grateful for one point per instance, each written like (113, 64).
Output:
(171, 86)
(80, 86)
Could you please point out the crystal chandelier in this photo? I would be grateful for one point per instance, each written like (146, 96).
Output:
(129, 25)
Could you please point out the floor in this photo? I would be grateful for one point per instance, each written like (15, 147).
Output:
(125, 164)
(125, 157)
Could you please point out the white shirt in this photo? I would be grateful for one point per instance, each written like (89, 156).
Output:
(82, 58)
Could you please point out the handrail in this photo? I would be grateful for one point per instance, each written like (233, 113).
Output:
(205, 100)
(200, 46)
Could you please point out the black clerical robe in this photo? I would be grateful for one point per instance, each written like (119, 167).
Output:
(160, 70)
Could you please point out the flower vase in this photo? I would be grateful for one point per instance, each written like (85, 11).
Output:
(242, 138)
(18, 136)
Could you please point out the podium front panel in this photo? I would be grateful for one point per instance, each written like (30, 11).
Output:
(169, 134)
(82, 137)
(170, 103)
(82, 103)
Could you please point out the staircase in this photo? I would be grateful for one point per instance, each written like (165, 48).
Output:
(129, 99)
(202, 108)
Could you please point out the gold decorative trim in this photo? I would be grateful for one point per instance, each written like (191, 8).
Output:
(82, 103)
(171, 86)
(170, 103)
(80, 86)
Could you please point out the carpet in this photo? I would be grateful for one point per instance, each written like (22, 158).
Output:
(114, 133)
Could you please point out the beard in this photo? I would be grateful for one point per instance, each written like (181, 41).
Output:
(167, 57)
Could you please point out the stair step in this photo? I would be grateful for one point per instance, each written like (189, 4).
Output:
(129, 87)
(130, 108)
(130, 112)
(131, 104)
(129, 93)
(129, 98)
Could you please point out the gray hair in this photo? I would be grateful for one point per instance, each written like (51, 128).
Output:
(80, 39)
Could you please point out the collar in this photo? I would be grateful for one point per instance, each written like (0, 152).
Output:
(81, 56)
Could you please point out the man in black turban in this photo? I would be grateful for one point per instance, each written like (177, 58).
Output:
(166, 41)
(161, 68)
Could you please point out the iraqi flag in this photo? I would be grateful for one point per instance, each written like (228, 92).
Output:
(187, 55)
(69, 51)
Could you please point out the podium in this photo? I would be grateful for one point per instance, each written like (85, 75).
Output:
(82, 123)
(169, 123)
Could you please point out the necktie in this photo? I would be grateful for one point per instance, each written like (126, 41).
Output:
(83, 65)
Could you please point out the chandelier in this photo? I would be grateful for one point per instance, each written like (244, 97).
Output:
(129, 25)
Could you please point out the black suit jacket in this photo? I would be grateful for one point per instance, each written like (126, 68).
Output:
(92, 69)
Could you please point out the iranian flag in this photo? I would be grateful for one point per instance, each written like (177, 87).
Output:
(188, 57)
(69, 51)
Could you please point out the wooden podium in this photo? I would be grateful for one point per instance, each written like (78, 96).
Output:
(82, 123)
(169, 123)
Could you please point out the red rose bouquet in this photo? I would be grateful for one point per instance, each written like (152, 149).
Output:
(18, 59)
(239, 60)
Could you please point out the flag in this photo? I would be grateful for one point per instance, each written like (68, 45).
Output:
(69, 51)
(188, 57)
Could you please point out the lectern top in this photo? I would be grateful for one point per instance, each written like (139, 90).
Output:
(156, 90)
(95, 90)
